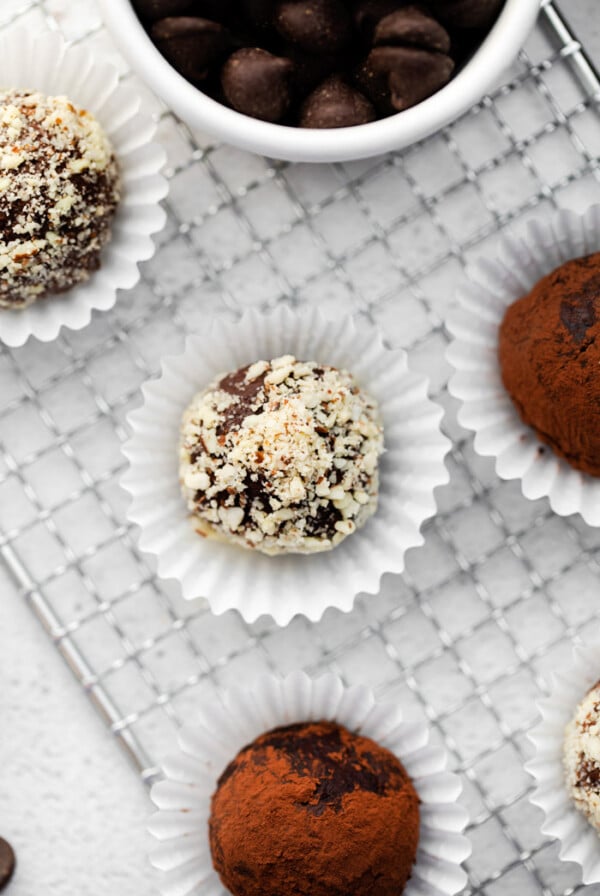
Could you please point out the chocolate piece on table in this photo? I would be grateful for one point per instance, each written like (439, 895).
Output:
(414, 27)
(7, 863)
(257, 83)
(315, 26)
(192, 45)
(334, 104)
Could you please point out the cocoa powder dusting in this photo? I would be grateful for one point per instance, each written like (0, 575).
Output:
(314, 810)
(549, 355)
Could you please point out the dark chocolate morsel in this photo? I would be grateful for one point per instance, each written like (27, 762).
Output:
(257, 83)
(7, 863)
(396, 78)
(315, 26)
(223, 11)
(334, 104)
(259, 13)
(466, 13)
(414, 27)
(152, 10)
(192, 45)
(311, 70)
(367, 13)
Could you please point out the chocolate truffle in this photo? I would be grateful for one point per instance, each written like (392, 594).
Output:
(314, 810)
(582, 757)
(59, 188)
(550, 360)
(281, 456)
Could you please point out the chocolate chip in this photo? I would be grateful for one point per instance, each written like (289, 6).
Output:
(396, 78)
(7, 863)
(161, 9)
(310, 71)
(334, 104)
(367, 13)
(190, 44)
(315, 26)
(259, 13)
(466, 13)
(257, 83)
(414, 27)
(386, 54)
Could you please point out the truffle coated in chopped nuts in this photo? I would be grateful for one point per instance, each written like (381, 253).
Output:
(59, 188)
(582, 756)
(281, 456)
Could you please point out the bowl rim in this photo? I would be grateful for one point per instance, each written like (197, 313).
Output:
(497, 51)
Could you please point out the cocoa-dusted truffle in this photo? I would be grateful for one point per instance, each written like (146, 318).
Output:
(314, 810)
(582, 756)
(59, 188)
(550, 360)
(281, 456)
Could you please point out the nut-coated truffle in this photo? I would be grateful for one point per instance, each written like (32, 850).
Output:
(313, 809)
(582, 756)
(550, 360)
(281, 456)
(59, 189)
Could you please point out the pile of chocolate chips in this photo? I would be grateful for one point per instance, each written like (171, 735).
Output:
(317, 63)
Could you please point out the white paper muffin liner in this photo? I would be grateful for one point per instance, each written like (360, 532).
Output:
(221, 729)
(579, 841)
(487, 409)
(44, 62)
(282, 586)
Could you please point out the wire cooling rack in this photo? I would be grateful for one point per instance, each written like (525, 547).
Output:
(492, 601)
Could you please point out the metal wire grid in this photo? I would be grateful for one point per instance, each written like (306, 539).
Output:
(501, 587)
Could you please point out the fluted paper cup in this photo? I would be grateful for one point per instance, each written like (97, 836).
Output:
(283, 586)
(44, 62)
(222, 727)
(487, 409)
(578, 840)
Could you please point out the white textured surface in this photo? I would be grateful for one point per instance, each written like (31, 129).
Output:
(486, 607)
(69, 803)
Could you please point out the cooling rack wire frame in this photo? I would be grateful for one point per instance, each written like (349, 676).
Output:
(487, 607)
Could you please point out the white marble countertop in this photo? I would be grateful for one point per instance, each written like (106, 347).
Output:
(70, 805)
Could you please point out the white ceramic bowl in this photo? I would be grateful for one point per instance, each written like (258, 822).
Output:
(335, 145)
